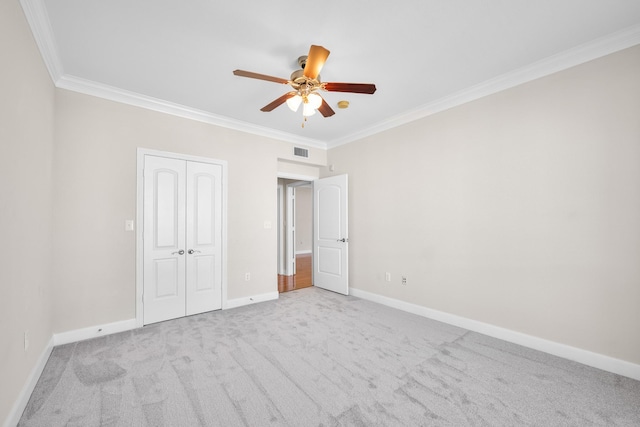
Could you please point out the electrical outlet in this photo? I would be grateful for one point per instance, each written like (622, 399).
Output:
(26, 340)
(387, 277)
(247, 277)
(404, 280)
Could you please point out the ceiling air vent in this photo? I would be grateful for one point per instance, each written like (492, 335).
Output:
(300, 152)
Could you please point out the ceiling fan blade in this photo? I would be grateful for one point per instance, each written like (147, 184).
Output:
(278, 102)
(251, 75)
(325, 109)
(315, 60)
(369, 88)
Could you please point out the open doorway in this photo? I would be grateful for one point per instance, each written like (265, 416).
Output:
(295, 237)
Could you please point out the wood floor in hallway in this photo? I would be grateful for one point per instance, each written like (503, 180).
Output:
(302, 278)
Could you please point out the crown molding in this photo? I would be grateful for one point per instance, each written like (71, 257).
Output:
(38, 19)
(111, 93)
(609, 44)
(36, 14)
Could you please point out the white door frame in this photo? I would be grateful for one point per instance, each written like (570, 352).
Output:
(290, 221)
(284, 247)
(292, 214)
(141, 152)
(281, 245)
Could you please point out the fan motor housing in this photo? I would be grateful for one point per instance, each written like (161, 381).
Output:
(298, 79)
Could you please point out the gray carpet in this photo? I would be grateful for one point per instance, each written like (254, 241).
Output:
(314, 358)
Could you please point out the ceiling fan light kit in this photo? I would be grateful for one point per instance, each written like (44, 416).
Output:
(294, 102)
(306, 83)
(310, 103)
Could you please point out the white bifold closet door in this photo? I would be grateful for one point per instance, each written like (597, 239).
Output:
(182, 238)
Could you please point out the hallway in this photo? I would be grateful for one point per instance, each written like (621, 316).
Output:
(302, 278)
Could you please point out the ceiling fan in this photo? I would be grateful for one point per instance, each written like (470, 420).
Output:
(306, 84)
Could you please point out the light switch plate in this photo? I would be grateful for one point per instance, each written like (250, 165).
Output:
(128, 225)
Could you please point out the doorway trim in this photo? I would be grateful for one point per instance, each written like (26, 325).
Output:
(283, 232)
(290, 232)
(141, 152)
(292, 226)
(297, 176)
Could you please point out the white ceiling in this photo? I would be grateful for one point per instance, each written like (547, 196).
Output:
(423, 55)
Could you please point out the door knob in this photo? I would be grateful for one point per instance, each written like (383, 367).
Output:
(180, 252)
(343, 240)
(193, 251)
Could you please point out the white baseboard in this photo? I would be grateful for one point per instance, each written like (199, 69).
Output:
(303, 252)
(24, 396)
(586, 357)
(127, 325)
(239, 302)
(94, 331)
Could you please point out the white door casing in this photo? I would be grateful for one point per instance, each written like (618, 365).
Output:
(331, 234)
(291, 231)
(281, 240)
(183, 244)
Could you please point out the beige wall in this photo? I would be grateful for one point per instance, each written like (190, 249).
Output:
(521, 209)
(95, 175)
(26, 145)
(288, 168)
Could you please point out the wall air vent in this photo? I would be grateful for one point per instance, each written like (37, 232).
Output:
(300, 152)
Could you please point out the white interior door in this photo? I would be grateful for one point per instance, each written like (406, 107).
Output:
(281, 240)
(331, 234)
(164, 239)
(182, 238)
(204, 238)
(291, 231)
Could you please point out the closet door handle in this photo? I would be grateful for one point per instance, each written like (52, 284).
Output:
(180, 252)
(193, 251)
